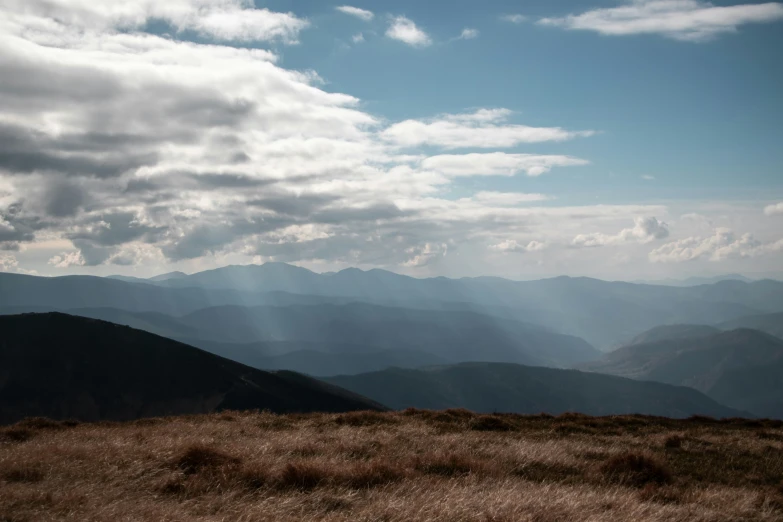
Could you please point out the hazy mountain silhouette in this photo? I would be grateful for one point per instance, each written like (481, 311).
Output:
(757, 389)
(493, 387)
(670, 332)
(769, 323)
(714, 364)
(321, 364)
(603, 313)
(62, 366)
(454, 336)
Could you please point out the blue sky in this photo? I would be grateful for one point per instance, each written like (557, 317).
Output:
(622, 139)
(703, 119)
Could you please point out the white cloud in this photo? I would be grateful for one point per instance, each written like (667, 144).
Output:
(229, 20)
(647, 177)
(512, 245)
(689, 20)
(468, 34)
(8, 263)
(723, 244)
(358, 38)
(773, 210)
(425, 254)
(514, 18)
(364, 14)
(67, 260)
(507, 199)
(645, 230)
(120, 148)
(497, 164)
(481, 129)
(406, 31)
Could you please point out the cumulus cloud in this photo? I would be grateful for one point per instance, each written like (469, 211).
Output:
(358, 38)
(67, 259)
(468, 34)
(497, 164)
(406, 31)
(645, 230)
(512, 245)
(425, 254)
(688, 20)
(514, 18)
(8, 263)
(723, 244)
(484, 128)
(363, 14)
(126, 148)
(773, 210)
(231, 20)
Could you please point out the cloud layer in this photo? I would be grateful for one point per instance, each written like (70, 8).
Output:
(689, 20)
(121, 148)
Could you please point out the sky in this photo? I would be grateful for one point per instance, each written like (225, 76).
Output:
(619, 139)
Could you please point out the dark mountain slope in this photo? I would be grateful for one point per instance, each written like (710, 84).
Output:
(769, 323)
(488, 387)
(672, 332)
(732, 367)
(61, 366)
(758, 389)
(320, 364)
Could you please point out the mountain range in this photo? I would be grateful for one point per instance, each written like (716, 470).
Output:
(605, 314)
(720, 364)
(722, 340)
(495, 387)
(68, 367)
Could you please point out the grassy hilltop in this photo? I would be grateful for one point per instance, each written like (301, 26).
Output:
(395, 466)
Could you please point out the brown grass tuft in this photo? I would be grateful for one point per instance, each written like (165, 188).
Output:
(363, 418)
(635, 469)
(198, 458)
(673, 441)
(302, 476)
(490, 423)
(665, 494)
(448, 464)
(28, 475)
(372, 474)
(16, 435)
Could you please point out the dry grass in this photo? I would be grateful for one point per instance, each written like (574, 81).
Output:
(412, 465)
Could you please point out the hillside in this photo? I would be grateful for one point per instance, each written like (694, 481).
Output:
(702, 363)
(671, 332)
(487, 387)
(450, 335)
(61, 366)
(769, 323)
(449, 466)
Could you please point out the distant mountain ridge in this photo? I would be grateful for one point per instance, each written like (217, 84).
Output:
(704, 363)
(61, 366)
(509, 388)
(603, 313)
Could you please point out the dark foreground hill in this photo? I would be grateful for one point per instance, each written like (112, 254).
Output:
(61, 366)
(736, 368)
(510, 388)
